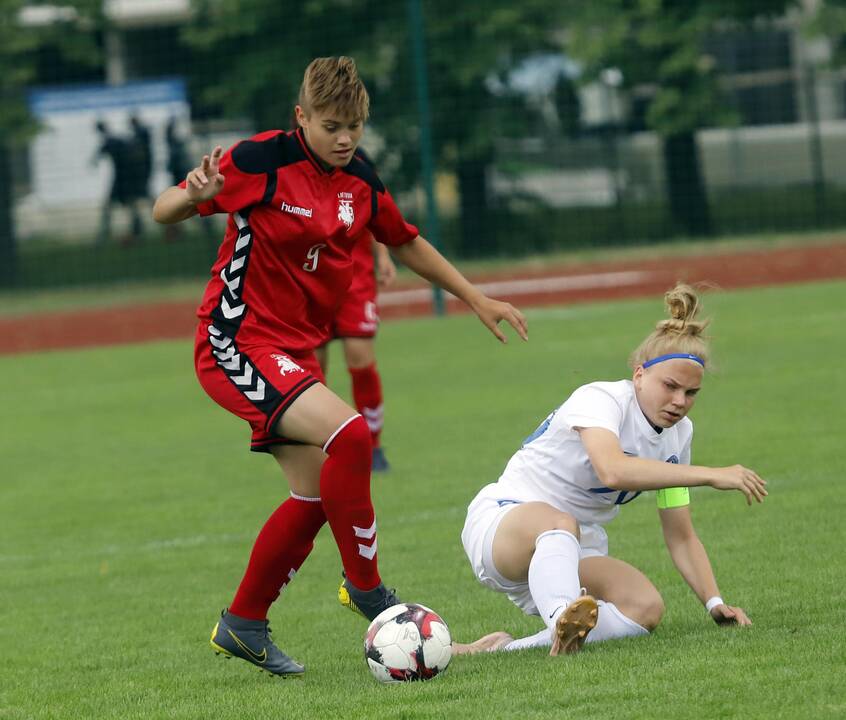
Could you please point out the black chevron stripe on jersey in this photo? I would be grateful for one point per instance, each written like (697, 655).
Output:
(231, 308)
(242, 372)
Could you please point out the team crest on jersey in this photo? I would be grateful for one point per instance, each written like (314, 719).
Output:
(346, 214)
(286, 365)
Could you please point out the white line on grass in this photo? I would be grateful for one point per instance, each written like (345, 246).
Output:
(571, 311)
(526, 287)
(178, 543)
(152, 546)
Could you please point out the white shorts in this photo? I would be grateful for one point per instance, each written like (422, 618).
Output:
(483, 518)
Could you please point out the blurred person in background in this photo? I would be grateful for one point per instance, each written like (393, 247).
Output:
(179, 164)
(142, 157)
(537, 534)
(355, 324)
(123, 190)
(178, 160)
(297, 202)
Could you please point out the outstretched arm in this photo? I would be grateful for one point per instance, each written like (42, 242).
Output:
(427, 262)
(692, 562)
(619, 471)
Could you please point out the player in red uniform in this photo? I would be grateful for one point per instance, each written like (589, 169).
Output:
(355, 324)
(296, 203)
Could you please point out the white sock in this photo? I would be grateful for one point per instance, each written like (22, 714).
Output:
(554, 574)
(539, 639)
(611, 624)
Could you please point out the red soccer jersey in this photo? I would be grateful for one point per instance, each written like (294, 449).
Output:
(285, 262)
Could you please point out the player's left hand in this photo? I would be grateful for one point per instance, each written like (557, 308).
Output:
(386, 271)
(487, 643)
(728, 615)
(491, 311)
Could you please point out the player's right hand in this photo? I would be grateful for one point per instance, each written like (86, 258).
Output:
(491, 311)
(728, 615)
(205, 180)
(740, 478)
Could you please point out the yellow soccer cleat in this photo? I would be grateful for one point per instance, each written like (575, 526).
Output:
(367, 603)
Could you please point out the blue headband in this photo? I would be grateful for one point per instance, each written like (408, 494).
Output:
(674, 356)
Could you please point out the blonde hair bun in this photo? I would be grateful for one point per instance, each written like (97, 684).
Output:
(682, 304)
(681, 333)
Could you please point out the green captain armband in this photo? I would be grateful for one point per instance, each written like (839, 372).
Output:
(673, 498)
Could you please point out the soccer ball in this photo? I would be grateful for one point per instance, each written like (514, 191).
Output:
(407, 642)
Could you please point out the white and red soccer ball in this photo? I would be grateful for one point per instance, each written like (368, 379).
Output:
(407, 642)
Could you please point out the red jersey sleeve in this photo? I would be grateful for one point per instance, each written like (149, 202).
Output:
(241, 189)
(387, 224)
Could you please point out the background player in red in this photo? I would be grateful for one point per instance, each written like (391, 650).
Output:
(296, 203)
(355, 324)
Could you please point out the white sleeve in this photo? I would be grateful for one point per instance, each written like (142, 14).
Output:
(592, 407)
(684, 456)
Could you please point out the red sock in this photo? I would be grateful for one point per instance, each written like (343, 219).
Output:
(367, 395)
(280, 549)
(345, 492)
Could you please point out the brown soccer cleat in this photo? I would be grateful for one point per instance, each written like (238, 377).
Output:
(573, 625)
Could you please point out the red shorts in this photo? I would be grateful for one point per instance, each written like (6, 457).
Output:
(255, 382)
(357, 317)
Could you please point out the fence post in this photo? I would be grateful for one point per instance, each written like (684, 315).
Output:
(417, 31)
(8, 241)
(815, 144)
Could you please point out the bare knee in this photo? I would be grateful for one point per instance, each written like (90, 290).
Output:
(648, 610)
(563, 521)
(359, 352)
(548, 519)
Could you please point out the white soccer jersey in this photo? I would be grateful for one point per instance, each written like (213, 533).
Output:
(553, 466)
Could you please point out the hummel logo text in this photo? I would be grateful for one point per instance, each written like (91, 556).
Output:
(296, 210)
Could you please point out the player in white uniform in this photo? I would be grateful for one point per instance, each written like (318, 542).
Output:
(537, 534)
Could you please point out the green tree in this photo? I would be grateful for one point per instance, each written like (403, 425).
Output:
(19, 44)
(249, 55)
(830, 21)
(659, 43)
(14, 122)
(467, 44)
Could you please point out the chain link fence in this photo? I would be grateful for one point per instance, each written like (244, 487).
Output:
(495, 137)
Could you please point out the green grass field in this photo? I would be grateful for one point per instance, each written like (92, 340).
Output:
(130, 501)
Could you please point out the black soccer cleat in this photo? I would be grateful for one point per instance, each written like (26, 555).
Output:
(250, 640)
(368, 603)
